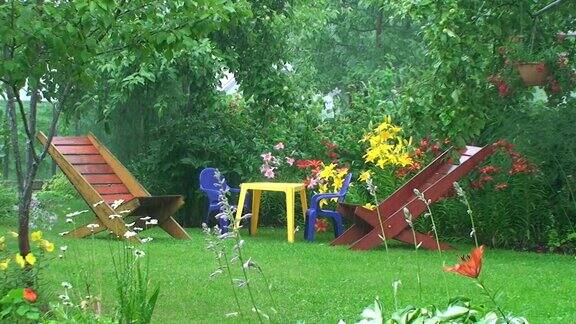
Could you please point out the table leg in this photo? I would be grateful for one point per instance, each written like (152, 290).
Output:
(241, 201)
(303, 202)
(290, 214)
(255, 211)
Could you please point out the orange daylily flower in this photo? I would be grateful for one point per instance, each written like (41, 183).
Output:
(321, 225)
(30, 295)
(471, 264)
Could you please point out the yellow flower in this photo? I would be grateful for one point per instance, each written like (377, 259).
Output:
(14, 234)
(36, 236)
(47, 246)
(369, 206)
(20, 260)
(365, 175)
(337, 184)
(4, 264)
(327, 171)
(30, 258)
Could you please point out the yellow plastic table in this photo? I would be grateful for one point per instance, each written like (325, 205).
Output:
(289, 189)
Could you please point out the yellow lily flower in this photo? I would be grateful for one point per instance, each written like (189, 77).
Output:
(36, 236)
(47, 246)
(20, 260)
(4, 264)
(369, 206)
(327, 171)
(30, 258)
(364, 176)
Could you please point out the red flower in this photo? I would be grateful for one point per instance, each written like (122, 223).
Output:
(303, 164)
(520, 165)
(447, 141)
(329, 145)
(470, 265)
(501, 186)
(540, 67)
(489, 169)
(503, 89)
(424, 144)
(435, 149)
(418, 152)
(321, 225)
(332, 155)
(30, 295)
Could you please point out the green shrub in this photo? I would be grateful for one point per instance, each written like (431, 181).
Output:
(8, 199)
(60, 186)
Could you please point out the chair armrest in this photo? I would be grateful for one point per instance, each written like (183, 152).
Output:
(315, 203)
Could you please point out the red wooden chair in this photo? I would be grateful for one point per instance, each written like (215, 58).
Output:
(101, 180)
(435, 182)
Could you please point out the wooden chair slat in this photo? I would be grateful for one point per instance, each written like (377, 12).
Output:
(60, 141)
(77, 149)
(94, 179)
(85, 159)
(86, 169)
(111, 189)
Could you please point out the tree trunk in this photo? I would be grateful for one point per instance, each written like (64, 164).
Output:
(379, 28)
(5, 132)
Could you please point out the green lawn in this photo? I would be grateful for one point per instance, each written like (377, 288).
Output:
(319, 283)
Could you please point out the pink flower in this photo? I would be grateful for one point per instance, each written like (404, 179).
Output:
(279, 146)
(290, 160)
(267, 157)
(267, 171)
(311, 183)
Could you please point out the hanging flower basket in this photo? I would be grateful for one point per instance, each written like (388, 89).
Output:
(533, 74)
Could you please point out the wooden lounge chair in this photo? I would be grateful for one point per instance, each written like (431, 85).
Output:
(102, 180)
(435, 182)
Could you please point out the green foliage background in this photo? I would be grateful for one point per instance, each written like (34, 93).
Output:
(426, 63)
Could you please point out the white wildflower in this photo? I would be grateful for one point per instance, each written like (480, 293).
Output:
(69, 220)
(147, 239)
(125, 212)
(152, 222)
(98, 203)
(64, 248)
(92, 227)
(63, 297)
(138, 229)
(76, 213)
(129, 234)
(145, 218)
(130, 224)
(66, 285)
(63, 233)
(116, 203)
(139, 253)
(113, 216)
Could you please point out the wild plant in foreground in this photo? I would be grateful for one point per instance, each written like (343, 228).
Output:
(372, 189)
(136, 299)
(464, 199)
(217, 239)
(408, 218)
(420, 196)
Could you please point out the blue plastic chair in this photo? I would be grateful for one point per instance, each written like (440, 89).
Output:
(315, 211)
(209, 185)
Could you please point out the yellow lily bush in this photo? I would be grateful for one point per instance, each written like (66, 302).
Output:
(387, 147)
(331, 180)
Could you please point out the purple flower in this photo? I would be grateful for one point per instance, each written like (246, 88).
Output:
(290, 160)
(279, 146)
